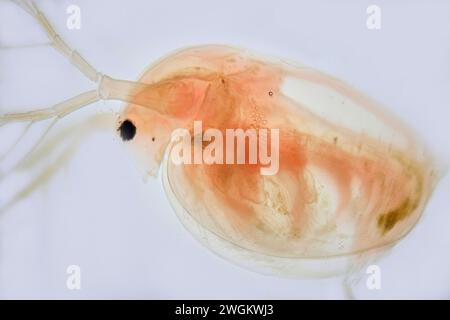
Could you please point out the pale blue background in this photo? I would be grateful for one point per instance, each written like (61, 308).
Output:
(97, 212)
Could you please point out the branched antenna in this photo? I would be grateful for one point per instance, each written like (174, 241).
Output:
(107, 87)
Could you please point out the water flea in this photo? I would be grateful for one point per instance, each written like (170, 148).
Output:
(371, 187)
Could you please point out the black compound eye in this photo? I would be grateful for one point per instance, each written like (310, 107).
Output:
(127, 130)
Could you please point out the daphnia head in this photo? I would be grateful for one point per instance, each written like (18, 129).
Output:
(146, 133)
(147, 125)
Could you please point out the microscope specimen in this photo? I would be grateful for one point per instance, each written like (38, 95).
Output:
(350, 181)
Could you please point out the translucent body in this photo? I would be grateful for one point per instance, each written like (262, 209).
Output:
(352, 179)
